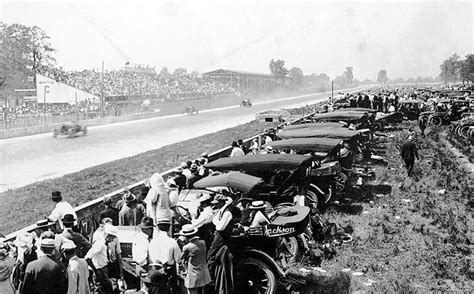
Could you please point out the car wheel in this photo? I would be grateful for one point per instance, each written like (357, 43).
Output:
(287, 251)
(464, 131)
(254, 276)
(437, 121)
(378, 126)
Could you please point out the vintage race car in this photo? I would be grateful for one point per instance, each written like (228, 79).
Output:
(190, 109)
(70, 130)
(246, 103)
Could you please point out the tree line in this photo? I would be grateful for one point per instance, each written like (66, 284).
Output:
(454, 69)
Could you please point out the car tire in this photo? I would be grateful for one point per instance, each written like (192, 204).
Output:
(254, 276)
(464, 131)
(378, 126)
(287, 251)
(436, 121)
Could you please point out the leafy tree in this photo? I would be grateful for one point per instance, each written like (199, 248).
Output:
(349, 75)
(450, 69)
(382, 77)
(24, 51)
(466, 70)
(297, 75)
(278, 69)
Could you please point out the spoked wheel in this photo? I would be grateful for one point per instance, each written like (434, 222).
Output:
(464, 131)
(254, 276)
(287, 251)
(423, 119)
(437, 121)
(183, 214)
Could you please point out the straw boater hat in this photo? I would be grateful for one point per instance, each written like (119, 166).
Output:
(193, 167)
(257, 205)
(47, 243)
(45, 223)
(163, 221)
(68, 246)
(269, 148)
(188, 230)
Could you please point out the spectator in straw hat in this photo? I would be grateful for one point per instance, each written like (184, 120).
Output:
(99, 233)
(61, 209)
(109, 211)
(98, 259)
(258, 216)
(194, 253)
(205, 156)
(82, 245)
(45, 275)
(77, 271)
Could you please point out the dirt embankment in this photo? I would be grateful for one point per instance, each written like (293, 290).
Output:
(419, 237)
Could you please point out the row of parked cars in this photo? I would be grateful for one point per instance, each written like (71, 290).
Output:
(310, 164)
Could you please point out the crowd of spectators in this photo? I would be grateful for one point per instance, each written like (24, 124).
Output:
(126, 82)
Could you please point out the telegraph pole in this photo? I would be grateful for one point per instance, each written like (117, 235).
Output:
(102, 91)
(332, 90)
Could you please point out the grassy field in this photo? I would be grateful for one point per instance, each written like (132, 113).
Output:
(419, 237)
(24, 206)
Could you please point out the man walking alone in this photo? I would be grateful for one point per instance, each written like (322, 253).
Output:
(409, 153)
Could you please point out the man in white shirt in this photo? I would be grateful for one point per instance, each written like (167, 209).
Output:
(165, 250)
(236, 150)
(61, 209)
(97, 258)
(141, 244)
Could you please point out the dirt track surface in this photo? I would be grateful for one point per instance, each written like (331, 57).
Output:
(30, 159)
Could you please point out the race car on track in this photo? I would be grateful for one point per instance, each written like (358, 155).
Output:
(246, 103)
(190, 109)
(71, 129)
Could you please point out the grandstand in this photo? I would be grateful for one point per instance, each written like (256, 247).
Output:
(242, 80)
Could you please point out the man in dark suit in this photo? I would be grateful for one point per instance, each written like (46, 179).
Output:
(408, 154)
(82, 244)
(110, 211)
(45, 275)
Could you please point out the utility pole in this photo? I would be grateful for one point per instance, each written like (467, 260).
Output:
(332, 90)
(46, 90)
(102, 91)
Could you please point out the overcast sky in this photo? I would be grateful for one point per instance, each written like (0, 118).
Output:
(408, 39)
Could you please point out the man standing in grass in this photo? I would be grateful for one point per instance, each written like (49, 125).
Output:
(409, 153)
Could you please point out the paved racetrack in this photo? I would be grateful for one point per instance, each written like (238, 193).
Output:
(34, 158)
